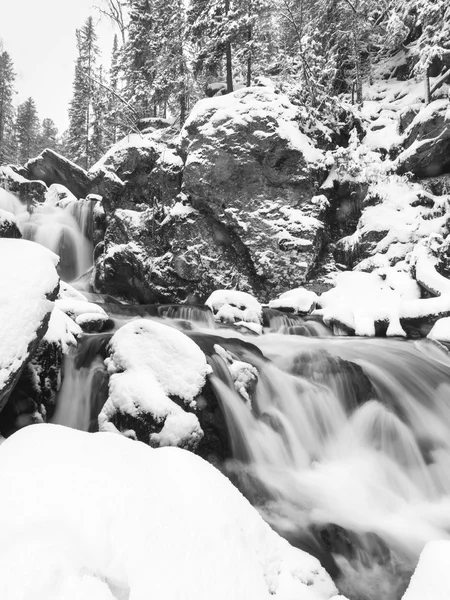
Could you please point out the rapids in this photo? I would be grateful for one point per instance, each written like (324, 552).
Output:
(350, 464)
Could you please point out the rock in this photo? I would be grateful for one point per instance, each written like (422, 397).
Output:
(154, 256)
(152, 123)
(29, 283)
(29, 192)
(299, 301)
(8, 225)
(427, 142)
(156, 375)
(248, 164)
(51, 167)
(346, 379)
(150, 172)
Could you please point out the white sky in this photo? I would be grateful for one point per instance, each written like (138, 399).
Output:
(40, 37)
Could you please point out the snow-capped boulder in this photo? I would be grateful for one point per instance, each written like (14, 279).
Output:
(111, 518)
(249, 164)
(232, 306)
(427, 141)
(150, 169)
(28, 285)
(14, 180)
(50, 167)
(157, 373)
(440, 330)
(299, 301)
(431, 580)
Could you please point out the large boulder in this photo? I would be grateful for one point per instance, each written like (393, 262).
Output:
(249, 165)
(50, 167)
(29, 283)
(150, 169)
(427, 141)
(8, 225)
(151, 256)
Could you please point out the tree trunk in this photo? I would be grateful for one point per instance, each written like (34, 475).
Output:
(228, 55)
(249, 57)
(427, 87)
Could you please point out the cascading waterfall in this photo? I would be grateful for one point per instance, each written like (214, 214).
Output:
(63, 225)
(379, 471)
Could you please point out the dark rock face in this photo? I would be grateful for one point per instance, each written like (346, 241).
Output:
(427, 142)
(157, 259)
(248, 164)
(50, 168)
(8, 226)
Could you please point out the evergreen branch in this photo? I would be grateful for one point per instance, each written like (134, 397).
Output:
(442, 79)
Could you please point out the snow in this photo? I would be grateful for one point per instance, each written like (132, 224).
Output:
(176, 362)
(140, 141)
(149, 362)
(62, 330)
(243, 106)
(7, 217)
(431, 580)
(233, 305)
(299, 300)
(112, 518)
(75, 307)
(27, 275)
(242, 373)
(441, 330)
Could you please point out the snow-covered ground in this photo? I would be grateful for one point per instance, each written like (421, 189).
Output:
(105, 518)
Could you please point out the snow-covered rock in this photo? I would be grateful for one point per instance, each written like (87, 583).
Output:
(427, 141)
(8, 224)
(28, 285)
(152, 365)
(50, 167)
(298, 300)
(440, 330)
(249, 163)
(232, 306)
(111, 518)
(431, 580)
(89, 316)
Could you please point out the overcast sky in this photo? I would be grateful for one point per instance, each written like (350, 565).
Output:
(40, 37)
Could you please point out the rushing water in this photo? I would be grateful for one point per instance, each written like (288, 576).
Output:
(345, 450)
(61, 224)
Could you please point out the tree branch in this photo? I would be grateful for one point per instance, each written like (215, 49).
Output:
(442, 79)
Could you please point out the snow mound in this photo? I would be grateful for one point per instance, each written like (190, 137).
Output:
(441, 330)
(431, 580)
(113, 519)
(28, 278)
(298, 300)
(231, 306)
(148, 363)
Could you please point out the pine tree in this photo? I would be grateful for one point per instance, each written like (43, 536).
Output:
(139, 58)
(27, 130)
(80, 111)
(48, 137)
(7, 133)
